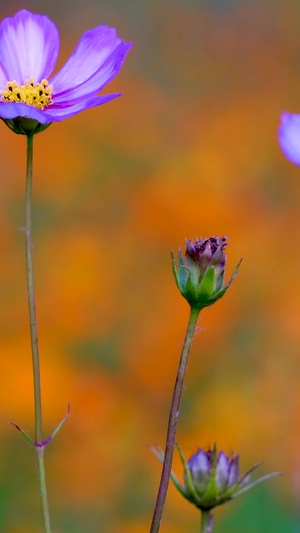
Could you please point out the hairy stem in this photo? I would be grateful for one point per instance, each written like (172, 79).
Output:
(207, 519)
(173, 418)
(39, 448)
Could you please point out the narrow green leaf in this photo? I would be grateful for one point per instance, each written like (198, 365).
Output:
(257, 482)
(22, 432)
(62, 423)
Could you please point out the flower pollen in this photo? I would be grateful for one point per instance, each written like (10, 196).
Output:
(31, 93)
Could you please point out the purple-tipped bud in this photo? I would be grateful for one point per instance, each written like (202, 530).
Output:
(209, 474)
(200, 276)
(222, 472)
(200, 468)
(212, 478)
(234, 471)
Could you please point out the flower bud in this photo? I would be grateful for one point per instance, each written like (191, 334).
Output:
(212, 478)
(200, 276)
(212, 475)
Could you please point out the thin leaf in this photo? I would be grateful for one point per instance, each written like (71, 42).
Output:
(62, 423)
(22, 432)
(260, 480)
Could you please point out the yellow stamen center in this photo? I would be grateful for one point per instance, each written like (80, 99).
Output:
(31, 93)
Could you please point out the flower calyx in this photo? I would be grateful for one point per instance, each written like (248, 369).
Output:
(25, 126)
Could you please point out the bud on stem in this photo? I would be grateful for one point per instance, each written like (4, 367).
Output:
(212, 479)
(200, 275)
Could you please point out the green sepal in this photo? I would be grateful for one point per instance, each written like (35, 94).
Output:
(190, 493)
(178, 485)
(189, 291)
(234, 491)
(206, 286)
(181, 270)
(256, 482)
(229, 493)
(160, 455)
(219, 294)
(175, 270)
(205, 293)
(25, 126)
(234, 273)
(210, 497)
(246, 474)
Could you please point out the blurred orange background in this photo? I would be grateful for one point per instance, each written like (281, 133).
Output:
(189, 149)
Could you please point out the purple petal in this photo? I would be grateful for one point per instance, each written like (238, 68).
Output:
(200, 469)
(289, 137)
(222, 472)
(29, 46)
(57, 113)
(234, 471)
(4, 77)
(12, 110)
(97, 58)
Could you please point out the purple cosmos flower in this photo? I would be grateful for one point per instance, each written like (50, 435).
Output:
(289, 137)
(200, 276)
(29, 46)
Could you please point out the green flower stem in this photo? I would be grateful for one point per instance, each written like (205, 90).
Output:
(173, 418)
(39, 448)
(206, 522)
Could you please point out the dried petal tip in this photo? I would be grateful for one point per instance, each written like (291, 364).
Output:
(212, 478)
(200, 275)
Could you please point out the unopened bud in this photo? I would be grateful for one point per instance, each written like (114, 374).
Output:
(200, 275)
(212, 478)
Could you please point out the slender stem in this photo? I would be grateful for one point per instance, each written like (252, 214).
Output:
(207, 519)
(173, 418)
(39, 448)
(31, 296)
